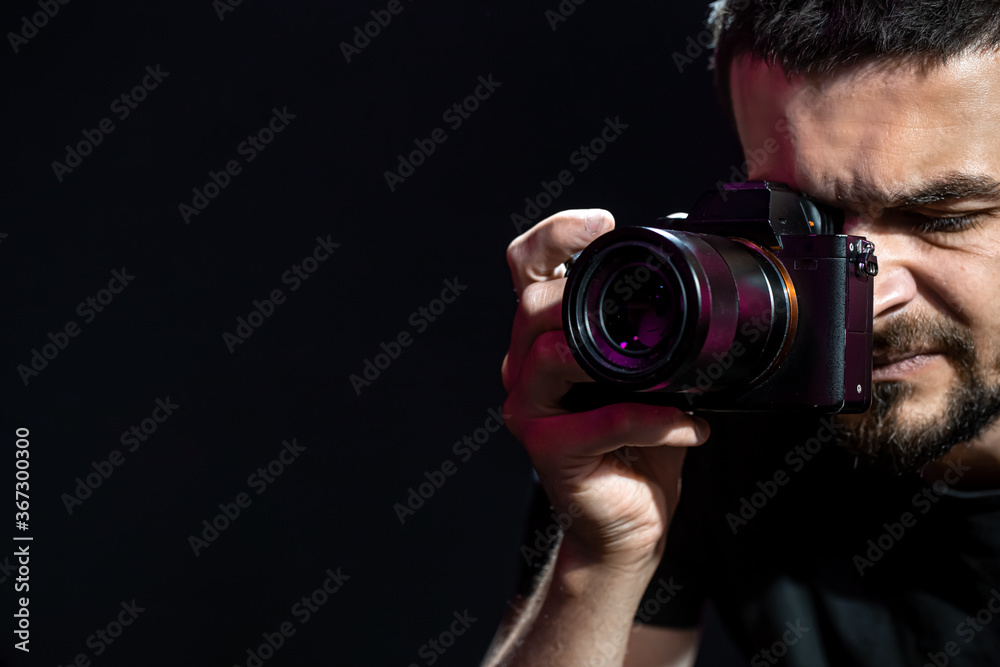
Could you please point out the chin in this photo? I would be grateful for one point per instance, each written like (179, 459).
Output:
(907, 426)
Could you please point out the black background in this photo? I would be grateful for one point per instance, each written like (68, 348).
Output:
(321, 176)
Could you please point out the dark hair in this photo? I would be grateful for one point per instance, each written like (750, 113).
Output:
(822, 36)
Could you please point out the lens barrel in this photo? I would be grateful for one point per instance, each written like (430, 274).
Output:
(648, 309)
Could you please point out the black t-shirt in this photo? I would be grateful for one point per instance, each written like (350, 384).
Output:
(814, 561)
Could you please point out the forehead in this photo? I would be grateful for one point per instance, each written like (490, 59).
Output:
(873, 128)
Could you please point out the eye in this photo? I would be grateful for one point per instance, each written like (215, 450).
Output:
(928, 224)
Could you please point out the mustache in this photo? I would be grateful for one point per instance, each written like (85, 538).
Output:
(905, 334)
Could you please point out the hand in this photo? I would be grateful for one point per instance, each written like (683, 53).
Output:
(617, 467)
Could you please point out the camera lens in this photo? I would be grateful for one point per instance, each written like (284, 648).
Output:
(649, 309)
(641, 309)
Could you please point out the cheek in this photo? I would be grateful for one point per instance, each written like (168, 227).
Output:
(984, 302)
(969, 283)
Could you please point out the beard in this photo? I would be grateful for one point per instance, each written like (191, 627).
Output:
(884, 438)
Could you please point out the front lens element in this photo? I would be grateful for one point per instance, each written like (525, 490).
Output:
(641, 310)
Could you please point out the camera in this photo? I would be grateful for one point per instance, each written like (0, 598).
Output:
(752, 302)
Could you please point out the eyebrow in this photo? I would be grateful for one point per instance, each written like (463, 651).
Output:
(951, 187)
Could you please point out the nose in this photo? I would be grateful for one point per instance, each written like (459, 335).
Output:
(895, 285)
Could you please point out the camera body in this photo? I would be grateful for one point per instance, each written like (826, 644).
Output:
(753, 302)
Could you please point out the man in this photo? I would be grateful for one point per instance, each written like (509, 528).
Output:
(884, 550)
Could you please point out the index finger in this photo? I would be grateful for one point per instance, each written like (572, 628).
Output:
(540, 252)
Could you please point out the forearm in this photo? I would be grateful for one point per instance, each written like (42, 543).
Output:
(581, 614)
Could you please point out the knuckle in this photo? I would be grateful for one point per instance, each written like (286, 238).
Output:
(618, 418)
(535, 297)
(519, 250)
(546, 355)
(673, 419)
(514, 252)
(532, 438)
(565, 352)
(513, 417)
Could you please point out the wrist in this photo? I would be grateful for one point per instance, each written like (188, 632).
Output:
(579, 571)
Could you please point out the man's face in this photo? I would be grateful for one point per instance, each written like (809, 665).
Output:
(913, 157)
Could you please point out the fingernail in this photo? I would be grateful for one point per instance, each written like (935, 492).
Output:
(594, 222)
(701, 428)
